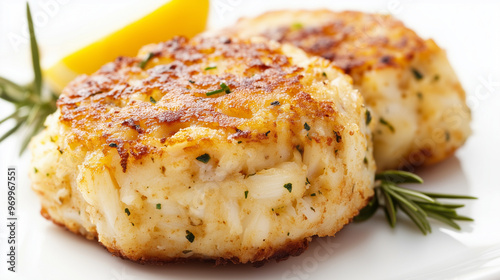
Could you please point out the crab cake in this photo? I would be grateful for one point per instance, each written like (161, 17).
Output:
(210, 148)
(418, 105)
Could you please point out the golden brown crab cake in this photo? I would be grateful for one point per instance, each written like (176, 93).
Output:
(418, 105)
(211, 148)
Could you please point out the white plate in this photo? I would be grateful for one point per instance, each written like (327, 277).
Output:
(370, 250)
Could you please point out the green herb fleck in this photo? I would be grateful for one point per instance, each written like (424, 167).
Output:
(447, 135)
(60, 151)
(210, 68)
(313, 194)
(386, 123)
(36, 170)
(223, 88)
(307, 127)
(312, 208)
(203, 158)
(365, 160)
(275, 103)
(145, 61)
(420, 95)
(368, 116)
(267, 133)
(187, 251)
(297, 26)
(324, 75)
(158, 206)
(152, 100)
(320, 192)
(127, 211)
(113, 145)
(132, 224)
(191, 81)
(418, 76)
(239, 142)
(246, 194)
(307, 181)
(436, 78)
(288, 186)
(288, 234)
(338, 137)
(298, 148)
(189, 236)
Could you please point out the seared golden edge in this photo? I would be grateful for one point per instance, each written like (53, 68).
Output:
(420, 115)
(156, 170)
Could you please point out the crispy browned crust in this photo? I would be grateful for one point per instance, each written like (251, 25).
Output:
(94, 106)
(354, 41)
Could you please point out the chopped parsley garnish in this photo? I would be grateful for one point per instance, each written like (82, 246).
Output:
(187, 251)
(338, 137)
(239, 142)
(127, 211)
(189, 236)
(36, 170)
(246, 194)
(297, 26)
(288, 186)
(145, 61)
(307, 181)
(203, 158)
(191, 81)
(60, 151)
(365, 160)
(275, 103)
(324, 75)
(307, 127)
(386, 123)
(113, 145)
(312, 208)
(447, 135)
(210, 67)
(313, 194)
(152, 100)
(223, 88)
(288, 234)
(267, 133)
(436, 77)
(368, 116)
(418, 76)
(158, 206)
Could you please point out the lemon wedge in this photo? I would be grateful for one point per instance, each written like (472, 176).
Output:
(176, 17)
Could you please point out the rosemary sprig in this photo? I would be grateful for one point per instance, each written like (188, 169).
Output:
(419, 206)
(32, 102)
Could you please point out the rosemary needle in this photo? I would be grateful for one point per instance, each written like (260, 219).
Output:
(419, 206)
(31, 103)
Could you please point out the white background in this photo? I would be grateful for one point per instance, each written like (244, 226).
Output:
(468, 30)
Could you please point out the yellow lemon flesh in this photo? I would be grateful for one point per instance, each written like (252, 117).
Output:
(176, 17)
